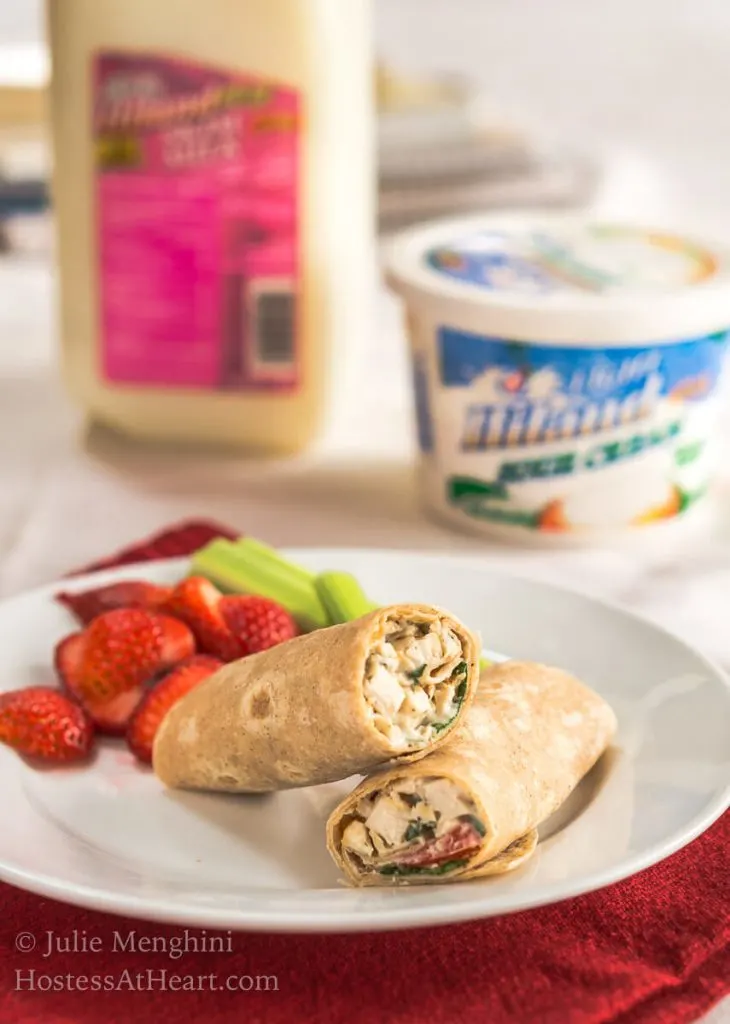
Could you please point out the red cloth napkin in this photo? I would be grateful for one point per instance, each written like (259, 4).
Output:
(174, 542)
(652, 950)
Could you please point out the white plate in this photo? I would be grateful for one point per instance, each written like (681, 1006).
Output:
(108, 836)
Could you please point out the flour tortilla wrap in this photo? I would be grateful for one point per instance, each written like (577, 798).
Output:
(528, 739)
(330, 704)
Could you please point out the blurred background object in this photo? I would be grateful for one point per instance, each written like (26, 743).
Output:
(24, 150)
(23, 78)
(485, 104)
(214, 199)
(635, 83)
(645, 77)
(443, 149)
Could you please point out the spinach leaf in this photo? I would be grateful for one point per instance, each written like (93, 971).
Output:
(407, 869)
(476, 823)
(418, 828)
(459, 695)
(416, 674)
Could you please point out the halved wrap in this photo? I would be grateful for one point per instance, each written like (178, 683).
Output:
(471, 808)
(330, 704)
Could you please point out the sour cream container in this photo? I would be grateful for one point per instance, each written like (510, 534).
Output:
(567, 374)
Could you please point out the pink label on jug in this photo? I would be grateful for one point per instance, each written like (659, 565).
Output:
(197, 176)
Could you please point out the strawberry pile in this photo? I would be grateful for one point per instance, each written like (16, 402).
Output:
(140, 649)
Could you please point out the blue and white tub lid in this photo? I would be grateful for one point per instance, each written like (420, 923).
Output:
(563, 279)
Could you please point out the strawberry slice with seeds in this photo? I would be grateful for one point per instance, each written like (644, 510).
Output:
(42, 722)
(257, 622)
(147, 719)
(110, 717)
(87, 605)
(68, 660)
(126, 648)
(196, 601)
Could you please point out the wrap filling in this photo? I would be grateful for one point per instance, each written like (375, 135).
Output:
(415, 681)
(426, 826)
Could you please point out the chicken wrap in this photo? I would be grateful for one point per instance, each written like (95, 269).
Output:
(472, 807)
(392, 685)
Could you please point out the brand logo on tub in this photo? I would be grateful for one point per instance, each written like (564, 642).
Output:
(523, 408)
(514, 393)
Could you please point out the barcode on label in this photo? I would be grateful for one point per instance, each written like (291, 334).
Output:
(274, 325)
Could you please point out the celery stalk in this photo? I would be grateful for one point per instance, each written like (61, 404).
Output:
(260, 553)
(250, 568)
(342, 596)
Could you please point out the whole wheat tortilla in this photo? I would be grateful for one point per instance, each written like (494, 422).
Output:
(530, 736)
(294, 715)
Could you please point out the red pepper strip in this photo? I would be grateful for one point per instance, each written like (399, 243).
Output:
(462, 839)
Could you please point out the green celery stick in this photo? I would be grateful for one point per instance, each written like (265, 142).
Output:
(244, 568)
(260, 552)
(342, 596)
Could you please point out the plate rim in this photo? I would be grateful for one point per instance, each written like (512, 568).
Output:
(275, 920)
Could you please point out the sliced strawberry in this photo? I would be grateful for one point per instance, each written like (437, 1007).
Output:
(111, 717)
(157, 702)
(68, 660)
(42, 722)
(126, 648)
(197, 602)
(257, 622)
(177, 642)
(87, 605)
